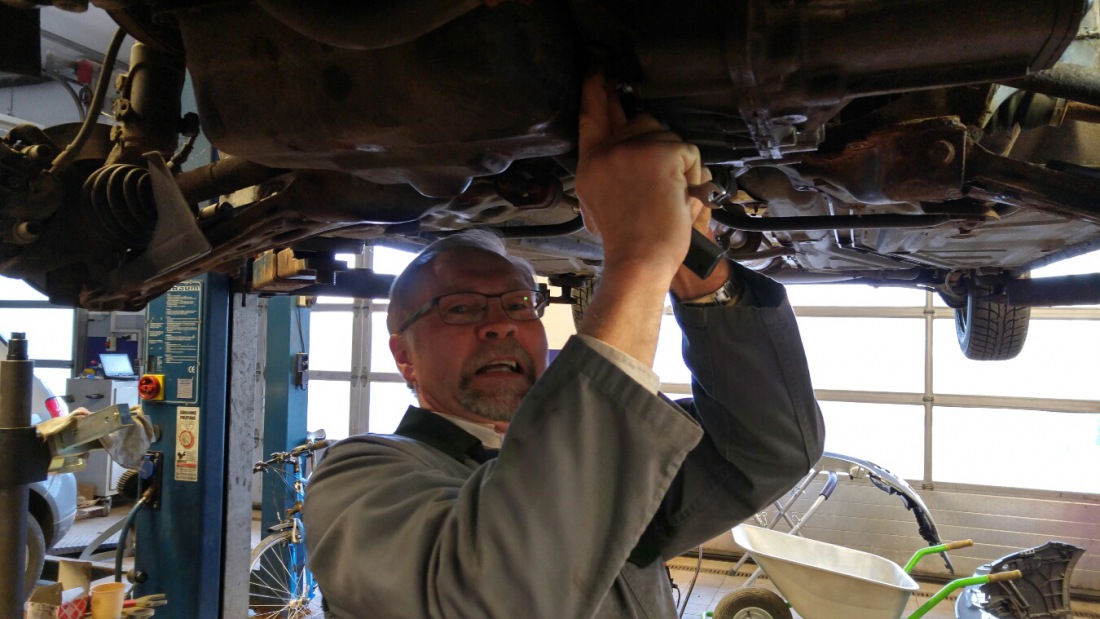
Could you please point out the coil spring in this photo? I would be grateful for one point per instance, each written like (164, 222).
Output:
(120, 200)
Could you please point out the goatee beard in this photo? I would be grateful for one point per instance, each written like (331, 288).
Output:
(498, 406)
(501, 403)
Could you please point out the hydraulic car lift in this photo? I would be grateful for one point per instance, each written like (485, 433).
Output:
(180, 532)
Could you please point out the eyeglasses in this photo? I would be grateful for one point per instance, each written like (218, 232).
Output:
(467, 308)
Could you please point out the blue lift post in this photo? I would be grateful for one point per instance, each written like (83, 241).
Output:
(180, 535)
(285, 396)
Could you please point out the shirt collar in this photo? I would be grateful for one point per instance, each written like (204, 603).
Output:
(485, 432)
(441, 432)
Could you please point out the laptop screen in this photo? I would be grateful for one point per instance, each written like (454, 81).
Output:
(116, 365)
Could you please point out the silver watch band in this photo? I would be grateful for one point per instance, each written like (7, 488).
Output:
(726, 295)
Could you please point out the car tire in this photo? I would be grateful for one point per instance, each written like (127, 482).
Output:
(752, 603)
(36, 555)
(581, 296)
(990, 330)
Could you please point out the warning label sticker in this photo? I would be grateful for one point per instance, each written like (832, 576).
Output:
(185, 388)
(187, 443)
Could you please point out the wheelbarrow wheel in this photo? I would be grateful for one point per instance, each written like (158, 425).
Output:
(752, 603)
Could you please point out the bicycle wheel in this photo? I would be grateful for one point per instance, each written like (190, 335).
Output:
(279, 588)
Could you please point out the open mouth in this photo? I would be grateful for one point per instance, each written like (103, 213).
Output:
(500, 366)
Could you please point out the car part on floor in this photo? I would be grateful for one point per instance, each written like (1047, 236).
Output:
(1042, 592)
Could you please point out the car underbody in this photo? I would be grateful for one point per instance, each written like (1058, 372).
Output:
(927, 143)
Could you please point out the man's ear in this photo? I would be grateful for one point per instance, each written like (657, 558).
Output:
(399, 347)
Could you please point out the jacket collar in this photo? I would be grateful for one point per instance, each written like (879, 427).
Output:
(425, 426)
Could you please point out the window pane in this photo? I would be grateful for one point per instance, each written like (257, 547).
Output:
(54, 379)
(49, 331)
(388, 403)
(380, 358)
(330, 341)
(17, 290)
(391, 261)
(669, 362)
(328, 300)
(890, 435)
(1019, 449)
(558, 321)
(329, 407)
(854, 295)
(1088, 263)
(1058, 361)
(867, 354)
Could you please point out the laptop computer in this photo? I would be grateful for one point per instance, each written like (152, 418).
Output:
(117, 366)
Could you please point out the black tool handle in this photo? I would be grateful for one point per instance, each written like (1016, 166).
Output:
(703, 255)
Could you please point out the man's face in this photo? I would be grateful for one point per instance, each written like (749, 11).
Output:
(478, 371)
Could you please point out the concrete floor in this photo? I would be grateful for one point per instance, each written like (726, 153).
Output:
(84, 531)
(712, 584)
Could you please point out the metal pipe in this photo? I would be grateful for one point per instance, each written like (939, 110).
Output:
(539, 232)
(69, 154)
(125, 532)
(929, 396)
(1082, 112)
(691, 586)
(564, 228)
(1046, 291)
(16, 384)
(352, 24)
(223, 177)
(774, 252)
(1065, 81)
(827, 222)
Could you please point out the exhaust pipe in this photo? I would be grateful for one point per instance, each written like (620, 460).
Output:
(1049, 291)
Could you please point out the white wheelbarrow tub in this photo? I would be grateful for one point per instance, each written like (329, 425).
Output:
(826, 581)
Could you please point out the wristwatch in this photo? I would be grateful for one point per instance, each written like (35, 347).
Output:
(728, 294)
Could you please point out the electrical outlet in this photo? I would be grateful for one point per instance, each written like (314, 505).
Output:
(151, 474)
(301, 369)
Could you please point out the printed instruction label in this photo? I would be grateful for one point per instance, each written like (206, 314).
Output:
(187, 443)
(173, 342)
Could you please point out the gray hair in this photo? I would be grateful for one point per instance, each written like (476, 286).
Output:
(406, 283)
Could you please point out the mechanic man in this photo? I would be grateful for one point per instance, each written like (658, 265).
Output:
(598, 477)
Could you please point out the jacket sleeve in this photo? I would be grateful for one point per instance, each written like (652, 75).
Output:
(396, 529)
(752, 395)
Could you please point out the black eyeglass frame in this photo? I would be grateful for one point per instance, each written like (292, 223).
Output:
(542, 299)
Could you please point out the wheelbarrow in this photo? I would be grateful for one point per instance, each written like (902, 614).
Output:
(825, 581)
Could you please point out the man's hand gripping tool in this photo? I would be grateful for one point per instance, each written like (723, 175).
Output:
(703, 255)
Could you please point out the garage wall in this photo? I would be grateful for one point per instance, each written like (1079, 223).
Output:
(999, 520)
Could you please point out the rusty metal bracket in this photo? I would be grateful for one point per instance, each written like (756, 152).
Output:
(911, 162)
(1007, 181)
(73, 439)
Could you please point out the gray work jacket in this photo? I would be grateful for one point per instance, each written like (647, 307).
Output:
(597, 481)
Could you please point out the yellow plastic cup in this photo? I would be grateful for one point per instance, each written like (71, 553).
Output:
(107, 600)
